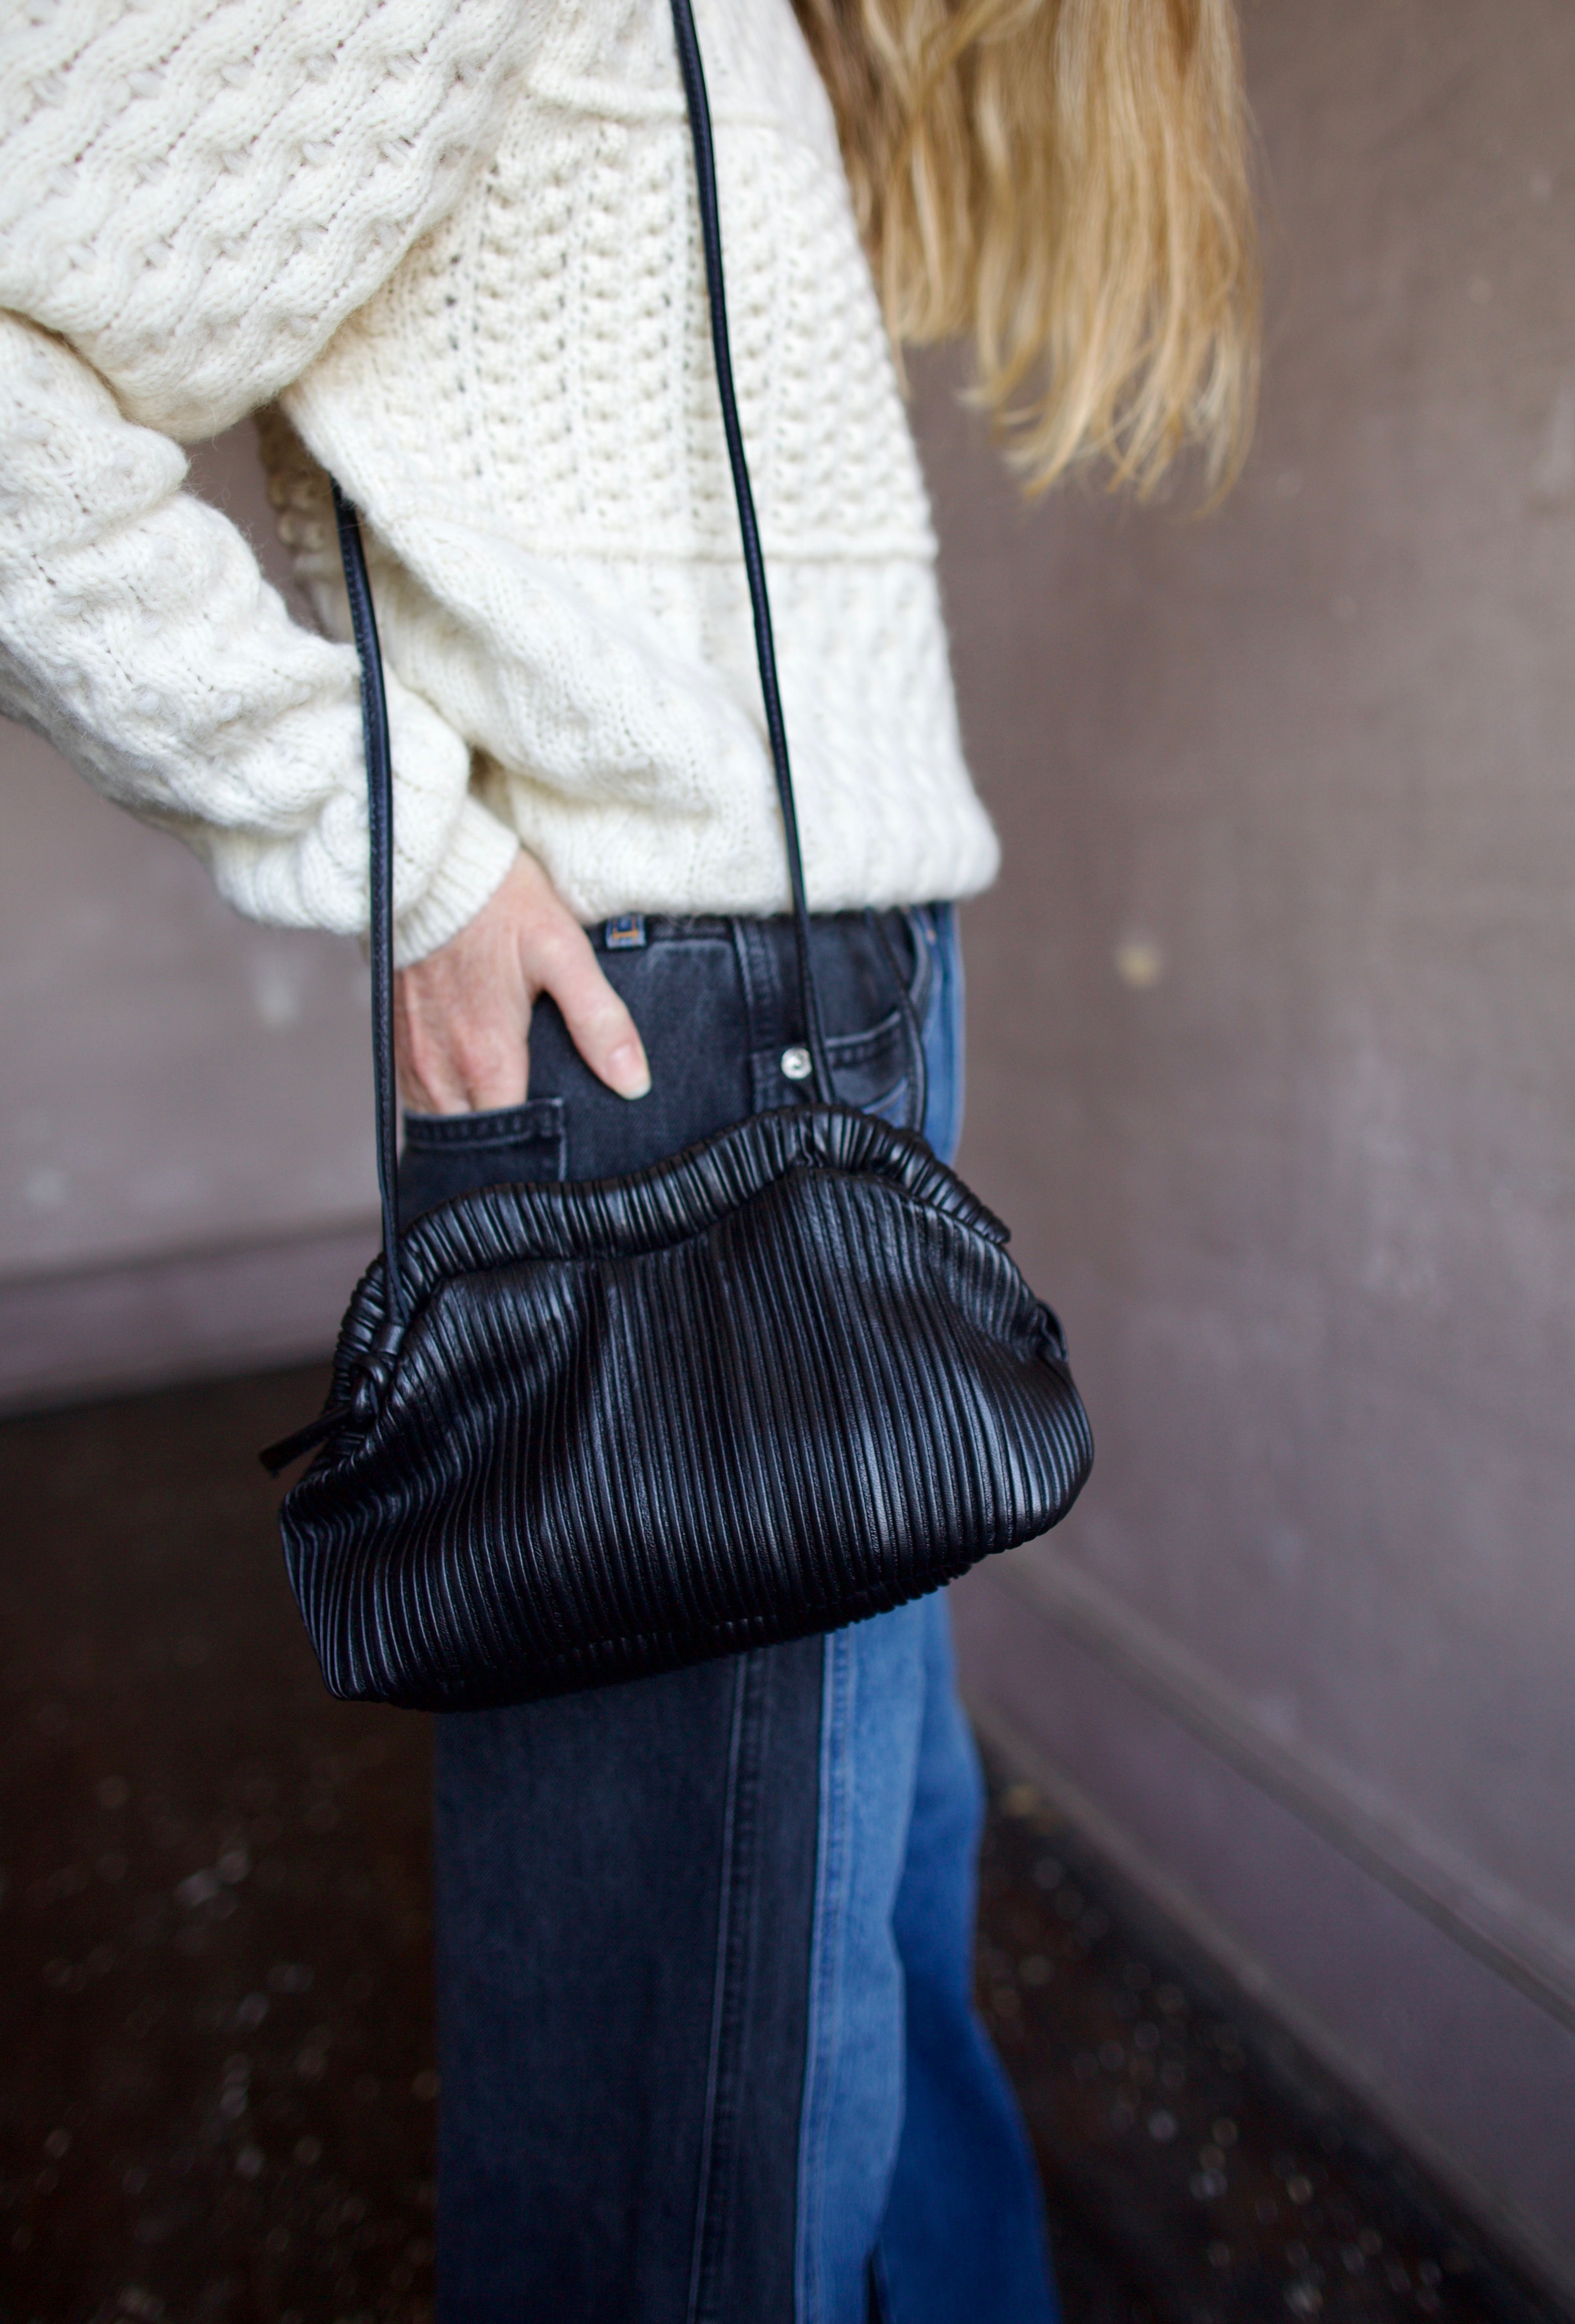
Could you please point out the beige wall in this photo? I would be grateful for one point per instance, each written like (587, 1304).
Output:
(182, 1088)
(1274, 1073)
(1273, 1070)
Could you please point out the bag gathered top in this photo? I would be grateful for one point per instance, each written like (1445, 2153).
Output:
(585, 1431)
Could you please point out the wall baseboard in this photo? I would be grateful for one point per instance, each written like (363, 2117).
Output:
(192, 1315)
(1473, 2074)
(1519, 2237)
(1507, 1932)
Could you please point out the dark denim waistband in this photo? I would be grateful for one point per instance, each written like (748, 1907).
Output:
(716, 1000)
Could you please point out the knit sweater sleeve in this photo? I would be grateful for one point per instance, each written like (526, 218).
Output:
(192, 200)
(138, 634)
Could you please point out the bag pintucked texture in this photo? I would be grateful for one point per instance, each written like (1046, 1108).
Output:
(586, 1432)
(778, 1382)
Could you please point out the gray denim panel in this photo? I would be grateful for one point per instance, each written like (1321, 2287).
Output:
(626, 1879)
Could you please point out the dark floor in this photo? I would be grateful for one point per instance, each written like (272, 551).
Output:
(1198, 2166)
(218, 2095)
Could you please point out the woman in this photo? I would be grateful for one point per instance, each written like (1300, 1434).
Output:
(706, 2043)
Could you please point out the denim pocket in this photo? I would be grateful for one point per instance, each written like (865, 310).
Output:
(450, 1153)
(872, 1070)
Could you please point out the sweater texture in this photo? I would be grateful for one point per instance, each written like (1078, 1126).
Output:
(448, 251)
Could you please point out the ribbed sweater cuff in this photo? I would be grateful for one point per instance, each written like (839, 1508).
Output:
(480, 853)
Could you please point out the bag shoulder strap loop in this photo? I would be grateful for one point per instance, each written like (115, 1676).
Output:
(379, 848)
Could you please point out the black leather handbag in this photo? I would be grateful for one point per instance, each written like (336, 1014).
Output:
(585, 1431)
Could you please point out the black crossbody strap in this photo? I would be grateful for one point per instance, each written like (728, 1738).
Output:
(375, 702)
(754, 562)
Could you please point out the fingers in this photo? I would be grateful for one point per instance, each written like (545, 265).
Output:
(458, 1052)
(462, 1016)
(564, 964)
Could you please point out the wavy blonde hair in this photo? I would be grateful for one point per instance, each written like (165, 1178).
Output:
(1068, 181)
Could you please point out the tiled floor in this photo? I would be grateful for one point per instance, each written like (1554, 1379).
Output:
(217, 2105)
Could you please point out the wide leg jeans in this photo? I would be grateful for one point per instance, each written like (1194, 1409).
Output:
(707, 2048)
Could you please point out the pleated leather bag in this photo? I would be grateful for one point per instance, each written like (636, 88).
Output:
(585, 1432)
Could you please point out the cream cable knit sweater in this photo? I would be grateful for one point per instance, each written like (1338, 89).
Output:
(448, 249)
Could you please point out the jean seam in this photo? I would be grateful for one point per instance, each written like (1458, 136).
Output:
(431, 1133)
(718, 1992)
(879, 2289)
(733, 1995)
(920, 920)
(825, 1973)
(859, 1048)
(944, 1026)
(746, 944)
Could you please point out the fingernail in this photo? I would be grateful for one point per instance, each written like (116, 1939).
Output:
(627, 1070)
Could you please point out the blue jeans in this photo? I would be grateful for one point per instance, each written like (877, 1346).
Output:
(706, 2040)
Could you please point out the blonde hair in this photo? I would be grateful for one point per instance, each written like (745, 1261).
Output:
(1067, 180)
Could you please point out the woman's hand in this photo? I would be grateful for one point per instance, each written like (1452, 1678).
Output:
(462, 1016)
